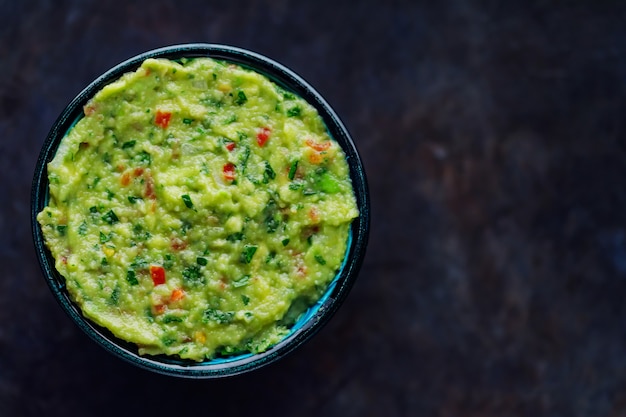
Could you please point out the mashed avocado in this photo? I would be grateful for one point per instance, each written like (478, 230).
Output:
(197, 209)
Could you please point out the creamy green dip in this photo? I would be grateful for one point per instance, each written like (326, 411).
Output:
(197, 209)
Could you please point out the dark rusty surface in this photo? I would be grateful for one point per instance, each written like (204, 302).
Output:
(494, 138)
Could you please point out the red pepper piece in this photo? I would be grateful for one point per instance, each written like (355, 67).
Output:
(229, 171)
(162, 118)
(263, 136)
(157, 273)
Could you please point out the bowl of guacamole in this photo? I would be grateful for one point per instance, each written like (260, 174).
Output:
(199, 210)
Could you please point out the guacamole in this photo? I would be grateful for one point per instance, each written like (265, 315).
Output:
(197, 209)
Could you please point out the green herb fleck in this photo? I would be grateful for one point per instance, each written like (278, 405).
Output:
(131, 277)
(248, 253)
(168, 261)
(294, 111)
(269, 173)
(320, 259)
(285, 242)
(241, 282)
(139, 263)
(82, 229)
(235, 237)
(129, 144)
(218, 316)
(187, 200)
(144, 158)
(167, 341)
(115, 296)
(170, 318)
(133, 199)
(187, 121)
(241, 98)
(110, 217)
(293, 169)
(61, 229)
(201, 261)
(104, 238)
(192, 276)
(245, 299)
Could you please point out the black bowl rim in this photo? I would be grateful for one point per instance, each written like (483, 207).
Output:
(359, 229)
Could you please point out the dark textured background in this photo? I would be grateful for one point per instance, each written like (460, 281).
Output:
(494, 138)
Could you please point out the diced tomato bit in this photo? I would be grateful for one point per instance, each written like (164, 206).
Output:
(230, 146)
(263, 136)
(138, 172)
(157, 273)
(159, 309)
(177, 295)
(89, 109)
(315, 158)
(120, 168)
(314, 215)
(162, 118)
(317, 145)
(222, 283)
(125, 180)
(149, 183)
(153, 206)
(178, 244)
(147, 72)
(301, 271)
(229, 171)
(64, 260)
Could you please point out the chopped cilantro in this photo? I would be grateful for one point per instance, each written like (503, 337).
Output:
(293, 169)
(248, 253)
(168, 261)
(187, 200)
(235, 236)
(201, 261)
(129, 144)
(320, 259)
(218, 316)
(115, 296)
(241, 98)
(104, 238)
(144, 158)
(110, 217)
(170, 318)
(294, 111)
(242, 282)
(269, 173)
(82, 229)
(192, 276)
(131, 277)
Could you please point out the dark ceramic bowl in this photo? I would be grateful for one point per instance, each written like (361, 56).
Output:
(311, 321)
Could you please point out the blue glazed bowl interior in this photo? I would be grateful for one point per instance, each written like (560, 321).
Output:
(311, 320)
